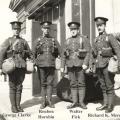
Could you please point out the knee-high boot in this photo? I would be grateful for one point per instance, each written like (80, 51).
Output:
(13, 102)
(82, 97)
(49, 97)
(43, 94)
(110, 103)
(18, 100)
(74, 94)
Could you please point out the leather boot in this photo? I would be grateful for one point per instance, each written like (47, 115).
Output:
(109, 109)
(49, 97)
(74, 95)
(110, 103)
(102, 107)
(43, 94)
(105, 103)
(13, 102)
(43, 105)
(18, 100)
(14, 109)
(81, 98)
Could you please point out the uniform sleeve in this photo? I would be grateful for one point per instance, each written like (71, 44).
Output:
(65, 47)
(3, 50)
(94, 49)
(28, 51)
(87, 46)
(35, 46)
(115, 46)
(58, 47)
(91, 59)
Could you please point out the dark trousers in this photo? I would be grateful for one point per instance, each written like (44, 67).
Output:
(106, 80)
(16, 79)
(46, 75)
(77, 84)
(77, 77)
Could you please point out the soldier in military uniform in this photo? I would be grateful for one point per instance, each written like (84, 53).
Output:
(105, 45)
(17, 48)
(47, 50)
(76, 57)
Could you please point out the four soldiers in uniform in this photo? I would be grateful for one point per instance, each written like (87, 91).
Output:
(75, 55)
(18, 49)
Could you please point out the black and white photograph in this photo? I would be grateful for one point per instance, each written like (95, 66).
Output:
(60, 60)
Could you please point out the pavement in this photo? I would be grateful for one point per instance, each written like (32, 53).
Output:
(32, 110)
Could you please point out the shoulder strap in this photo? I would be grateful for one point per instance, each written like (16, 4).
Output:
(107, 39)
(10, 42)
(53, 42)
(67, 41)
(81, 43)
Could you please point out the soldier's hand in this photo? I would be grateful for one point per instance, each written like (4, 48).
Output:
(62, 70)
(118, 69)
(66, 53)
(89, 70)
(84, 67)
(0, 71)
(35, 69)
(77, 53)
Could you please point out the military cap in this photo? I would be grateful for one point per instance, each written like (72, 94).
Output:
(73, 25)
(46, 24)
(16, 24)
(100, 20)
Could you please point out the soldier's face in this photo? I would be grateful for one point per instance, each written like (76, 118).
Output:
(101, 28)
(16, 32)
(46, 31)
(74, 32)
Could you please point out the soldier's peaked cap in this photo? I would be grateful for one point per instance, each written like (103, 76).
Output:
(46, 24)
(100, 20)
(73, 24)
(16, 24)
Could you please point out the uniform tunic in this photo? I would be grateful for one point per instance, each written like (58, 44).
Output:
(104, 47)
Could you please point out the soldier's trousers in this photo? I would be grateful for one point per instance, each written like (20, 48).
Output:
(16, 79)
(106, 80)
(77, 83)
(46, 79)
(77, 77)
(46, 76)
